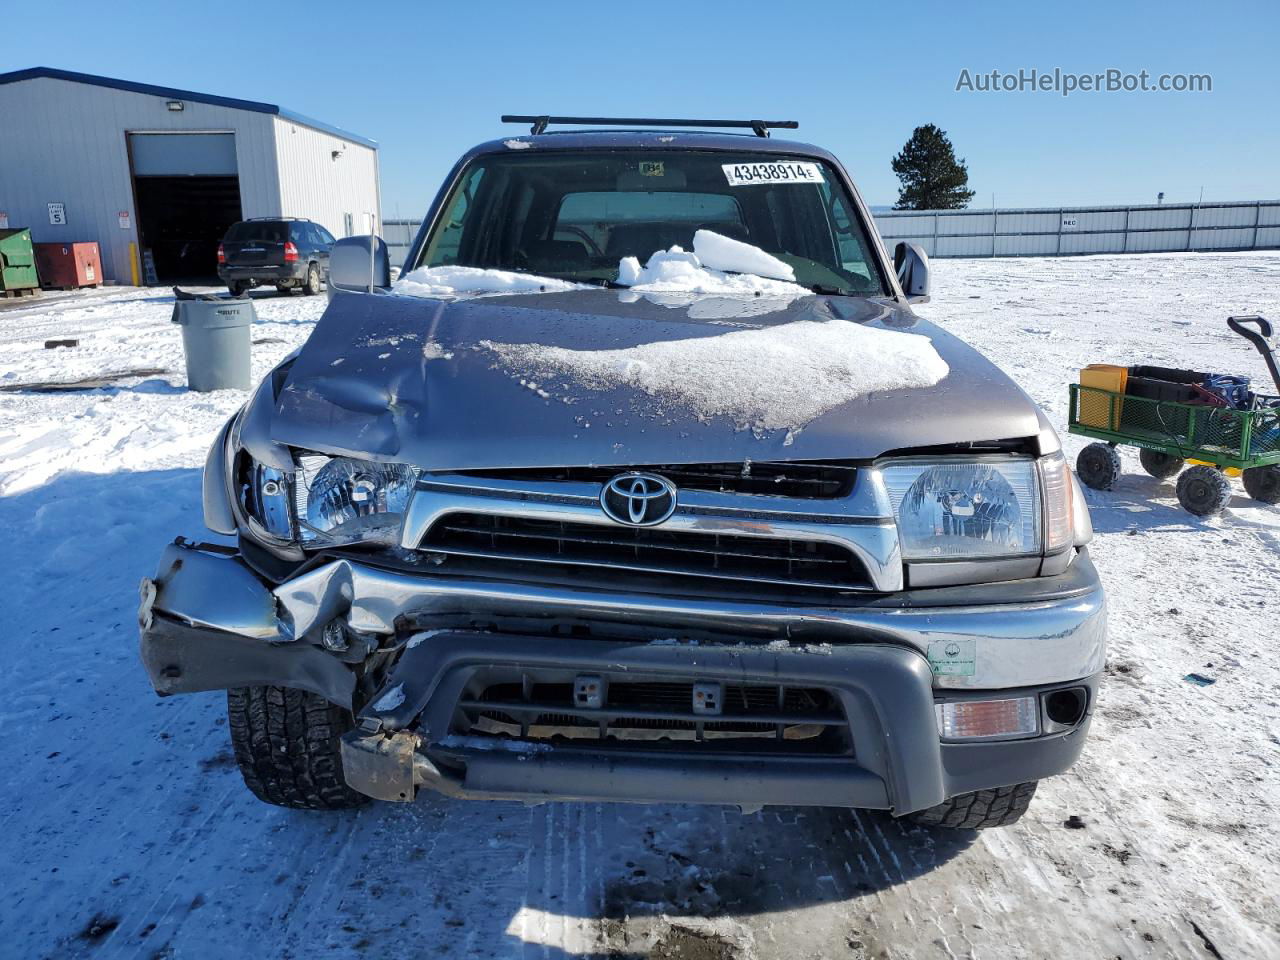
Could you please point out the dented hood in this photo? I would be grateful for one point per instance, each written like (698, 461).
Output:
(411, 380)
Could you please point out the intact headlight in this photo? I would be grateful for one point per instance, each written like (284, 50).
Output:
(979, 508)
(330, 501)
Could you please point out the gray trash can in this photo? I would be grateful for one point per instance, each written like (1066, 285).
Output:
(215, 338)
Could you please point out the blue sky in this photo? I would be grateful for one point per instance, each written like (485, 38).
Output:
(428, 80)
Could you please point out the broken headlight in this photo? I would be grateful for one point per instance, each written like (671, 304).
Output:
(268, 500)
(329, 501)
(353, 501)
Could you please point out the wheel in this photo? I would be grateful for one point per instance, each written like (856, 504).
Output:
(238, 288)
(1204, 491)
(286, 745)
(1098, 466)
(1160, 465)
(980, 809)
(1263, 483)
(312, 286)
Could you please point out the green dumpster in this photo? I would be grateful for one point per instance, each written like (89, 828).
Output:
(17, 262)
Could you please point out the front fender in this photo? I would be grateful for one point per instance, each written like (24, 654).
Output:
(218, 514)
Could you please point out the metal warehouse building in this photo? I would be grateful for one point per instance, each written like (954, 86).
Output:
(156, 175)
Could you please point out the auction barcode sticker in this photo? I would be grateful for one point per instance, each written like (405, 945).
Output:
(787, 171)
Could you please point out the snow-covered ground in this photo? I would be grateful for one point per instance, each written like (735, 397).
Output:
(125, 831)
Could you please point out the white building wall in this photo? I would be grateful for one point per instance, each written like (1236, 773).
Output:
(314, 184)
(64, 142)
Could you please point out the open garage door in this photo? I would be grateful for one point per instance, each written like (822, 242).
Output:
(187, 190)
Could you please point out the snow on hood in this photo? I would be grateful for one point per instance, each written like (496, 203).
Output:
(780, 377)
(451, 281)
(464, 407)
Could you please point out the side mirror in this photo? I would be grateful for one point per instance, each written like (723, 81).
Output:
(912, 266)
(355, 268)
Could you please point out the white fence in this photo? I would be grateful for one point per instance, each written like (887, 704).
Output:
(1254, 225)
(1047, 231)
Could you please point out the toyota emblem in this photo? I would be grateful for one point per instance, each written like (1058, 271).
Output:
(638, 499)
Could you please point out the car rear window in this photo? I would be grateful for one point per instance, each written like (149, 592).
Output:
(258, 231)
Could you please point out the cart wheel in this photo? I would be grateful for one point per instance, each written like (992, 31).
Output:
(1204, 491)
(1098, 466)
(1160, 465)
(1263, 483)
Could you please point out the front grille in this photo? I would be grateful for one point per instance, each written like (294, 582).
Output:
(767, 718)
(799, 563)
(800, 480)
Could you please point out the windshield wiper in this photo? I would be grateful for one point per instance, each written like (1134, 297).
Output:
(829, 291)
(592, 281)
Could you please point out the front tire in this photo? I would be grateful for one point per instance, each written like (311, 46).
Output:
(286, 745)
(312, 286)
(1204, 491)
(981, 809)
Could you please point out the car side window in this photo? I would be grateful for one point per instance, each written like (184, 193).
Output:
(324, 236)
(855, 258)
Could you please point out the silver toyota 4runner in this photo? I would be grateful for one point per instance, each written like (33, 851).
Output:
(643, 483)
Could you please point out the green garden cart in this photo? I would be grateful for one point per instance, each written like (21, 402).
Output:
(1176, 417)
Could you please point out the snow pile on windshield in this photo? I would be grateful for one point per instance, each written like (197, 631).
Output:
(777, 378)
(724, 253)
(452, 281)
(718, 266)
(675, 271)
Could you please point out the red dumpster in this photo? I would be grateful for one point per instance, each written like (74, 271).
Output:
(68, 265)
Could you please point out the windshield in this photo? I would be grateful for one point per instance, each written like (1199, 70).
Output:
(574, 215)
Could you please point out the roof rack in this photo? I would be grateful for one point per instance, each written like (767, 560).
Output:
(539, 123)
(254, 219)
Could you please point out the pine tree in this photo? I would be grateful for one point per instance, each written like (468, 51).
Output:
(932, 178)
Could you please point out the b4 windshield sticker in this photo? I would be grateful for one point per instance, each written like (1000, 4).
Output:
(787, 171)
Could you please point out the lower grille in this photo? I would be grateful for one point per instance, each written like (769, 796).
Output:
(659, 714)
(798, 563)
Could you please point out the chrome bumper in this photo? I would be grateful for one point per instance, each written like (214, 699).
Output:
(987, 645)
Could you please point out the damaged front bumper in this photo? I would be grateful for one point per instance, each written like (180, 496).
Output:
(210, 622)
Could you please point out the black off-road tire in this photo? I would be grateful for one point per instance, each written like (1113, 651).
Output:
(286, 744)
(1098, 466)
(1160, 465)
(312, 285)
(981, 809)
(1204, 491)
(237, 288)
(1263, 483)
